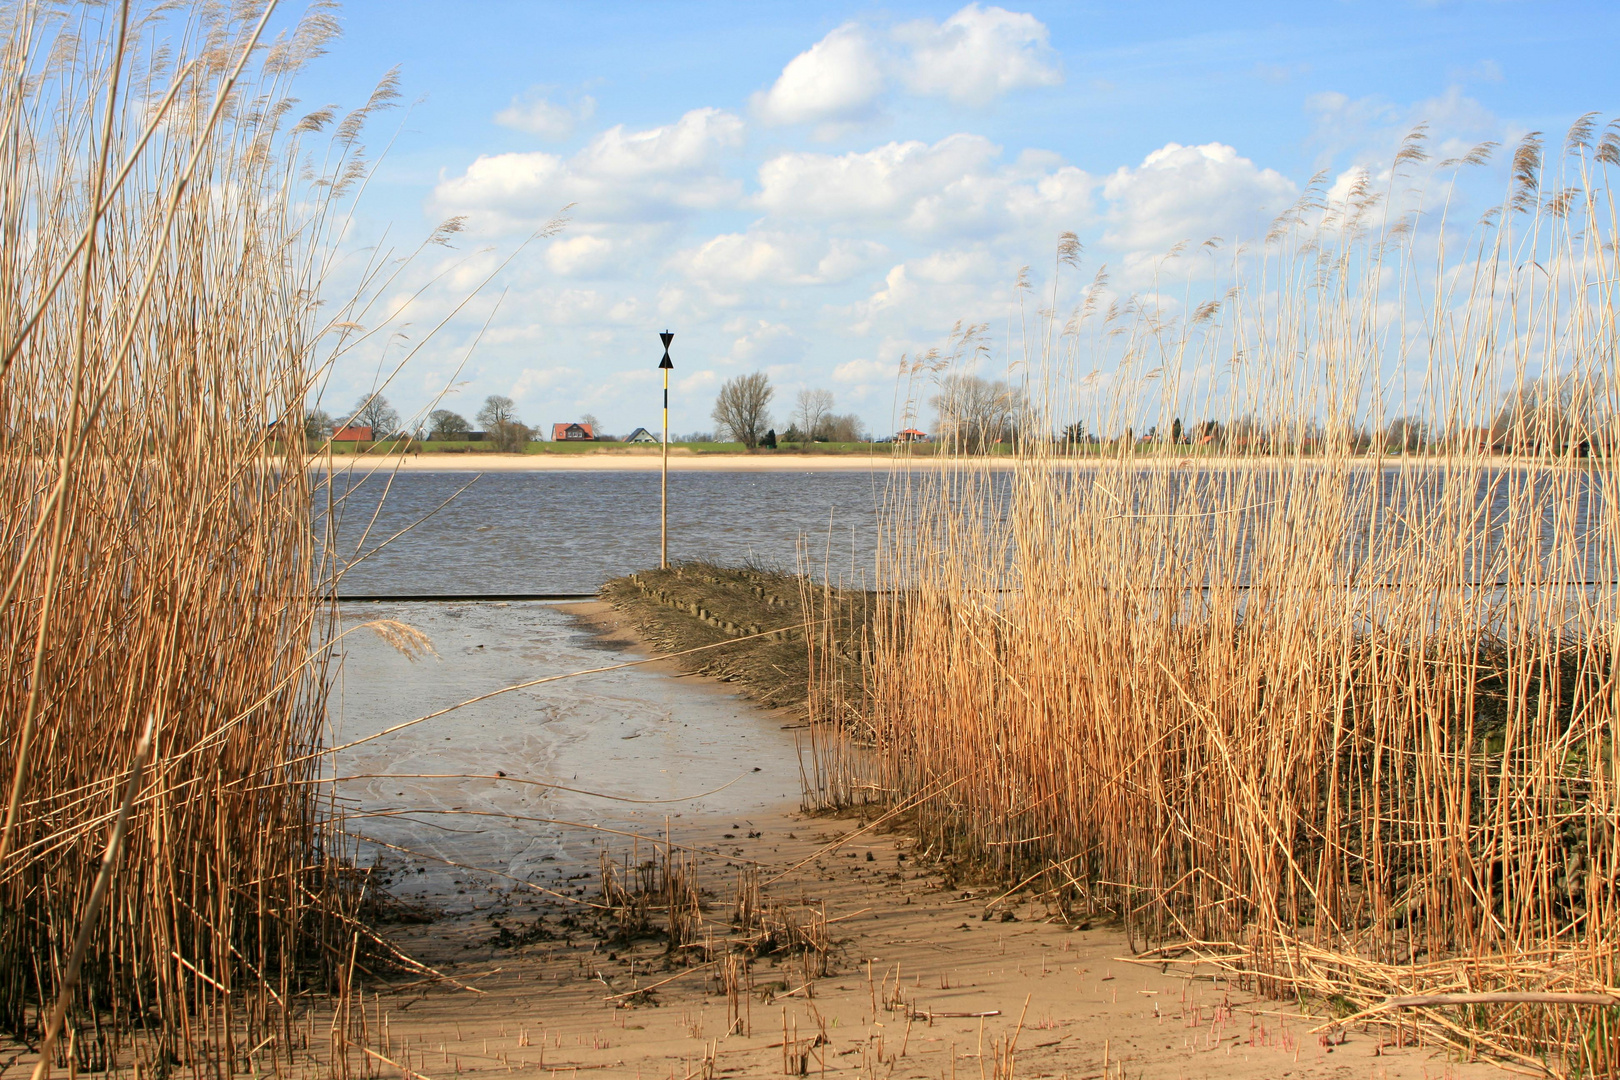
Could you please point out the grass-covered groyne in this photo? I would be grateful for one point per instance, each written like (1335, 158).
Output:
(764, 631)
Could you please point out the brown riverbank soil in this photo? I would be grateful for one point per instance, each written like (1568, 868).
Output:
(812, 945)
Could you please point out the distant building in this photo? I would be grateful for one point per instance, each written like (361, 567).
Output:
(911, 434)
(641, 434)
(572, 433)
(352, 433)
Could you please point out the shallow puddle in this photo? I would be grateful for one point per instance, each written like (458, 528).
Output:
(428, 801)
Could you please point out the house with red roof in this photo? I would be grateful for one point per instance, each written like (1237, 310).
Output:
(572, 433)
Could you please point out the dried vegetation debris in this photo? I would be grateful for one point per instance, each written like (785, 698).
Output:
(659, 913)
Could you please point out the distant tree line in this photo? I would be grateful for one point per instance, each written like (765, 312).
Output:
(371, 411)
(1537, 418)
(814, 421)
(742, 414)
(972, 414)
(499, 418)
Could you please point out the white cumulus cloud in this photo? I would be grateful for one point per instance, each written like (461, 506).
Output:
(862, 371)
(957, 185)
(977, 55)
(620, 175)
(536, 115)
(1368, 131)
(500, 187)
(760, 341)
(775, 257)
(737, 259)
(532, 382)
(972, 58)
(579, 255)
(1192, 193)
(951, 267)
(838, 78)
(884, 182)
(896, 291)
(687, 145)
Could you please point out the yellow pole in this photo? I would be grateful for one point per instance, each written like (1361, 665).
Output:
(663, 492)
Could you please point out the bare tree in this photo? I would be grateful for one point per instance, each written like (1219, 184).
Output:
(500, 420)
(497, 409)
(444, 425)
(1406, 435)
(975, 413)
(846, 428)
(374, 412)
(741, 410)
(317, 426)
(1245, 434)
(810, 412)
(1535, 417)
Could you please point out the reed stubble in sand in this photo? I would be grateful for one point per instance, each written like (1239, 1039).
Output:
(163, 244)
(1344, 728)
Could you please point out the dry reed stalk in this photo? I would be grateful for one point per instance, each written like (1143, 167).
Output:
(164, 246)
(1337, 709)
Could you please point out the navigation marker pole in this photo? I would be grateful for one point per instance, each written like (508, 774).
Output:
(663, 491)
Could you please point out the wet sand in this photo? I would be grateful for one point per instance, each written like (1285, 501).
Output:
(923, 980)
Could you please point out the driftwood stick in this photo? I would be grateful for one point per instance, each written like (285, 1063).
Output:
(1529, 997)
(1504, 997)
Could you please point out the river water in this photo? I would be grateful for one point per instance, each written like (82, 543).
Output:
(504, 533)
(566, 532)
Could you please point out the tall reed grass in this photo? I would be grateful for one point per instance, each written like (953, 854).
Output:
(1334, 709)
(166, 224)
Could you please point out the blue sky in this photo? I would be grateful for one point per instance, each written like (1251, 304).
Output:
(816, 190)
